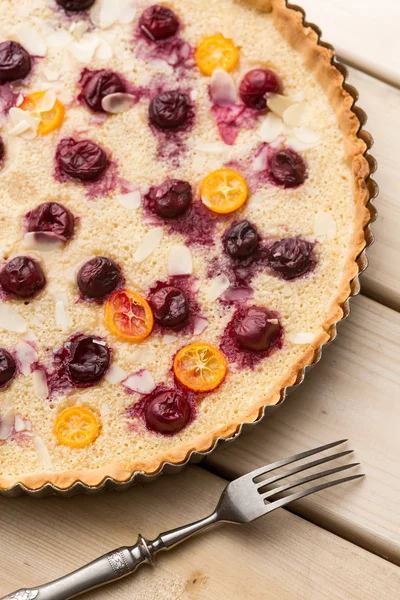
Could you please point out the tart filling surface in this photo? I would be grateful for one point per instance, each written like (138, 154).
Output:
(183, 203)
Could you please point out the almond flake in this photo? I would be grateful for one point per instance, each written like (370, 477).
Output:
(42, 452)
(304, 337)
(84, 50)
(216, 148)
(104, 50)
(63, 319)
(59, 39)
(237, 294)
(115, 374)
(118, 103)
(21, 127)
(31, 40)
(324, 225)
(141, 382)
(19, 424)
(296, 144)
(39, 380)
(200, 325)
(307, 135)
(23, 118)
(222, 88)
(26, 356)
(11, 320)
(279, 104)
(131, 200)
(42, 242)
(293, 116)
(271, 128)
(217, 287)
(149, 243)
(6, 424)
(180, 261)
(48, 101)
(51, 75)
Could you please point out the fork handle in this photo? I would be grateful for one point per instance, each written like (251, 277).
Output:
(106, 569)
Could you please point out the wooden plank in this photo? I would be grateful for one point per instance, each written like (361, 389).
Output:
(277, 558)
(363, 32)
(354, 393)
(381, 102)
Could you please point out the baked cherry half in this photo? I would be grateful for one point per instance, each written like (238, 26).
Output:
(256, 84)
(15, 62)
(169, 110)
(7, 367)
(75, 5)
(98, 277)
(96, 85)
(167, 411)
(89, 359)
(171, 199)
(51, 217)
(83, 160)
(291, 257)
(170, 306)
(241, 239)
(287, 168)
(158, 22)
(256, 328)
(22, 277)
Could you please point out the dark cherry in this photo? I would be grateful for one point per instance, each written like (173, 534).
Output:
(287, 168)
(75, 5)
(51, 217)
(89, 359)
(15, 62)
(170, 306)
(96, 85)
(7, 367)
(2, 150)
(167, 411)
(241, 239)
(82, 160)
(22, 277)
(98, 277)
(256, 328)
(171, 199)
(256, 84)
(158, 22)
(291, 257)
(169, 110)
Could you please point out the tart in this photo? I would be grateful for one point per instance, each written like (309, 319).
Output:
(183, 204)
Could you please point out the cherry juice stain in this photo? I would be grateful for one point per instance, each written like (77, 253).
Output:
(231, 119)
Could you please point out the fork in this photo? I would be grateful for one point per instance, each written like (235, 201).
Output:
(244, 500)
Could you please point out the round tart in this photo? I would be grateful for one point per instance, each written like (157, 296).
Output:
(183, 204)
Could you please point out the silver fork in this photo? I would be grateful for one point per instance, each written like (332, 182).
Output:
(243, 500)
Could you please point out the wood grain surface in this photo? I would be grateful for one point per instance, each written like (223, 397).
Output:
(280, 557)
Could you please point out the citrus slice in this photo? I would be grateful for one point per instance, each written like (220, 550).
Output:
(129, 316)
(224, 191)
(200, 367)
(76, 427)
(216, 52)
(49, 119)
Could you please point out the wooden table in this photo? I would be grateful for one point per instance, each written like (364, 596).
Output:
(342, 544)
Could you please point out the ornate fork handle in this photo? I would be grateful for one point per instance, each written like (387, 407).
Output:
(112, 566)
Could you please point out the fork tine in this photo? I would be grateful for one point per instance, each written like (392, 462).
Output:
(323, 486)
(293, 484)
(300, 468)
(291, 459)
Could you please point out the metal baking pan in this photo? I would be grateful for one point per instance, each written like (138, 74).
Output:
(196, 457)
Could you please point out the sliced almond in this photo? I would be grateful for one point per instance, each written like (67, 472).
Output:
(31, 40)
(48, 101)
(104, 50)
(168, 338)
(216, 148)
(83, 51)
(307, 135)
(131, 200)
(19, 424)
(42, 452)
(271, 128)
(115, 374)
(279, 104)
(293, 116)
(6, 424)
(118, 103)
(39, 380)
(141, 382)
(26, 356)
(222, 88)
(180, 261)
(149, 243)
(42, 241)
(217, 287)
(11, 320)
(59, 39)
(200, 324)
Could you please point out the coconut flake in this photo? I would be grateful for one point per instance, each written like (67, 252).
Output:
(31, 40)
(59, 39)
(11, 320)
(141, 382)
(222, 88)
(149, 243)
(271, 128)
(324, 225)
(6, 424)
(19, 424)
(305, 337)
(26, 355)
(115, 374)
(200, 325)
(180, 261)
(131, 200)
(169, 338)
(42, 452)
(118, 103)
(40, 383)
(293, 116)
(42, 241)
(279, 104)
(217, 287)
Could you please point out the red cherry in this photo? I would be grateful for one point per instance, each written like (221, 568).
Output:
(256, 84)
(82, 160)
(15, 62)
(22, 277)
(167, 411)
(158, 22)
(256, 328)
(287, 168)
(89, 359)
